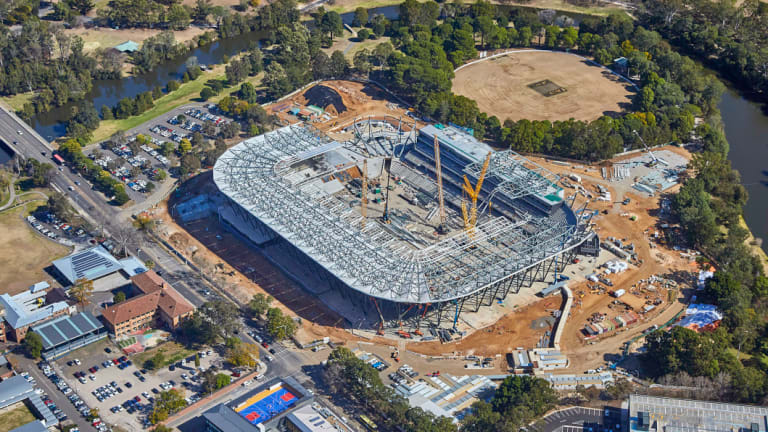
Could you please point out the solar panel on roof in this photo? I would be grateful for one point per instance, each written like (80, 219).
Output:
(53, 336)
(65, 327)
(82, 323)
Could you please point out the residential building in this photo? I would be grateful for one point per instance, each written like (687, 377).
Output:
(28, 308)
(157, 302)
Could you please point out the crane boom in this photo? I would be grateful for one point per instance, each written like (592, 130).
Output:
(439, 174)
(364, 194)
(470, 217)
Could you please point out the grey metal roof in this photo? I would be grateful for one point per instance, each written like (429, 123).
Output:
(227, 420)
(683, 415)
(90, 264)
(35, 426)
(14, 389)
(66, 328)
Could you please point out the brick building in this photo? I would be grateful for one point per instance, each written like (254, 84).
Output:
(157, 302)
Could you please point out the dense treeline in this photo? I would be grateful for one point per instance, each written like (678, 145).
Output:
(730, 36)
(735, 356)
(44, 59)
(673, 90)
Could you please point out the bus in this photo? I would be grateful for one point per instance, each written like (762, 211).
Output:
(58, 159)
(369, 425)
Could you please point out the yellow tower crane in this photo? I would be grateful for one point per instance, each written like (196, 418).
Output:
(364, 195)
(439, 173)
(470, 217)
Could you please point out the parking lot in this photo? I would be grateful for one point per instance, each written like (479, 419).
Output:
(180, 126)
(122, 391)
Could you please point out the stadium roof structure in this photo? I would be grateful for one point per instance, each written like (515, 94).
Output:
(258, 174)
(66, 328)
(683, 415)
(90, 264)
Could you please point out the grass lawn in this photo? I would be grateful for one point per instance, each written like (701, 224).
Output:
(369, 44)
(17, 415)
(187, 93)
(16, 102)
(172, 352)
(24, 250)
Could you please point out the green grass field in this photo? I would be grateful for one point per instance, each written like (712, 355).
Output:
(187, 93)
(15, 417)
(172, 352)
(16, 102)
(342, 6)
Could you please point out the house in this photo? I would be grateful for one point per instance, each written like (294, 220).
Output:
(29, 308)
(157, 301)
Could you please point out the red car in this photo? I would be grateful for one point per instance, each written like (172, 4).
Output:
(265, 345)
(92, 370)
(236, 374)
(137, 399)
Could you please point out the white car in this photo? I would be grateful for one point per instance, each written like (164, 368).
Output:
(20, 132)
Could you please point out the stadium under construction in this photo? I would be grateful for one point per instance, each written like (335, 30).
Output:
(398, 228)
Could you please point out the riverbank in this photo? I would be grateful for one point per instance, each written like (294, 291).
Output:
(188, 92)
(345, 6)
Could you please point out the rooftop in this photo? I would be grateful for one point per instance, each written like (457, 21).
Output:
(127, 46)
(66, 328)
(282, 178)
(29, 307)
(156, 293)
(89, 264)
(682, 415)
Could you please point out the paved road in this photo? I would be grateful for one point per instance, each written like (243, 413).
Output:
(93, 206)
(53, 393)
(580, 419)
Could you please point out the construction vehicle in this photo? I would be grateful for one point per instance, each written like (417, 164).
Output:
(470, 217)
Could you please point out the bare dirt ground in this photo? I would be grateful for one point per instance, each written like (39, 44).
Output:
(512, 331)
(102, 37)
(359, 99)
(500, 87)
(25, 253)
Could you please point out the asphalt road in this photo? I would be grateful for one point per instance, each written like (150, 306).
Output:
(94, 207)
(580, 419)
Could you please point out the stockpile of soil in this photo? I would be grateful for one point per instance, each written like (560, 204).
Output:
(323, 96)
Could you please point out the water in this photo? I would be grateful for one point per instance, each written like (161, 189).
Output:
(746, 128)
(52, 124)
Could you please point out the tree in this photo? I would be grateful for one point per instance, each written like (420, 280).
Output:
(197, 360)
(280, 326)
(166, 403)
(206, 93)
(82, 6)
(119, 297)
(244, 354)
(533, 394)
(162, 428)
(222, 380)
(247, 93)
(259, 304)
(223, 315)
(33, 344)
(185, 146)
(82, 290)
(363, 34)
(361, 17)
(338, 64)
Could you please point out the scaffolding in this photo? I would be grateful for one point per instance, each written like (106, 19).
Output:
(375, 261)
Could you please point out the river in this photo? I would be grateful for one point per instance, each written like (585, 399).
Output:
(746, 128)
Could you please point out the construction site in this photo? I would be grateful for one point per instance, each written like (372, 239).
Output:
(398, 229)
(370, 225)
